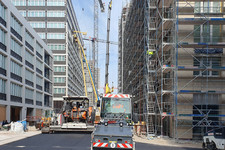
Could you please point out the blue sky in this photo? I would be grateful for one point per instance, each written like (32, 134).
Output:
(84, 10)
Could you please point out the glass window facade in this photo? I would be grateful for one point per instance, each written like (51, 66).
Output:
(29, 94)
(2, 86)
(56, 25)
(36, 13)
(39, 96)
(208, 7)
(15, 90)
(56, 36)
(2, 61)
(17, 48)
(2, 11)
(39, 49)
(37, 24)
(19, 2)
(36, 2)
(15, 68)
(39, 64)
(29, 75)
(29, 57)
(59, 90)
(29, 38)
(39, 80)
(15, 25)
(23, 13)
(56, 47)
(42, 35)
(59, 58)
(55, 14)
(55, 3)
(2, 36)
(59, 68)
(59, 79)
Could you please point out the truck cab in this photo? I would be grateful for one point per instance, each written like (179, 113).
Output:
(115, 129)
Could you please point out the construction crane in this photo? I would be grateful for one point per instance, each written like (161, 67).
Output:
(107, 89)
(95, 45)
(100, 40)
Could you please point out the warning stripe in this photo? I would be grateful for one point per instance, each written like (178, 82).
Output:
(100, 144)
(117, 95)
(125, 145)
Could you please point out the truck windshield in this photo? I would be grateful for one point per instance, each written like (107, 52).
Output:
(116, 105)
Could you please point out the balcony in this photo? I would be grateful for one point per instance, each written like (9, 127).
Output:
(29, 83)
(2, 46)
(16, 34)
(29, 101)
(2, 21)
(16, 99)
(29, 46)
(38, 103)
(16, 55)
(2, 96)
(16, 77)
(29, 64)
(39, 87)
(39, 55)
(3, 71)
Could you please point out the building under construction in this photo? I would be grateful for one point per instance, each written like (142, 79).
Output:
(171, 60)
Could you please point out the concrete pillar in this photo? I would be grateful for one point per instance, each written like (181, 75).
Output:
(23, 113)
(8, 113)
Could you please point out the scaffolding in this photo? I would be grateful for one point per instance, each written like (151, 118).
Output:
(172, 58)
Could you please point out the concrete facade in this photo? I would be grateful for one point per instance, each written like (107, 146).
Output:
(25, 68)
(55, 22)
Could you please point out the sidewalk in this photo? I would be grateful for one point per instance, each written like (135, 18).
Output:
(168, 142)
(8, 136)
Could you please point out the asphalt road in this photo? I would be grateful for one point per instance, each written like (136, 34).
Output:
(68, 141)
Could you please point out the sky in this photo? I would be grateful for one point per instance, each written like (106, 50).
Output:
(84, 10)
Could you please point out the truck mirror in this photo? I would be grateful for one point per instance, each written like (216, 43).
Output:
(98, 103)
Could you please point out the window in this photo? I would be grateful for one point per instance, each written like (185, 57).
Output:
(37, 24)
(2, 36)
(59, 58)
(15, 90)
(55, 14)
(39, 64)
(59, 79)
(38, 96)
(59, 68)
(203, 62)
(39, 80)
(2, 61)
(29, 57)
(36, 2)
(39, 49)
(29, 38)
(19, 2)
(207, 33)
(55, 3)
(2, 86)
(42, 35)
(2, 11)
(29, 94)
(36, 13)
(17, 48)
(56, 36)
(23, 13)
(16, 25)
(56, 46)
(16, 68)
(29, 75)
(59, 90)
(207, 7)
(56, 25)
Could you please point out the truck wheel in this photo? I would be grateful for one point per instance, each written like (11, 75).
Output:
(211, 146)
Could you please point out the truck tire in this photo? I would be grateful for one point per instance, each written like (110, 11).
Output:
(211, 146)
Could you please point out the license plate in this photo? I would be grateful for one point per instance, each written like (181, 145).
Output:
(112, 141)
